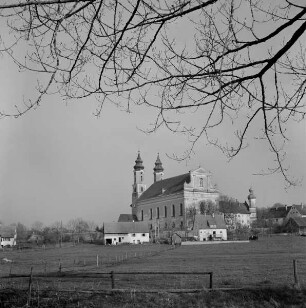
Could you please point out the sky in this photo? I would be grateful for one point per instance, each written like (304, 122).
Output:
(60, 162)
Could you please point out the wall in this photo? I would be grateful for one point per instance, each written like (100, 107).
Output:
(219, 233)
(131, 238)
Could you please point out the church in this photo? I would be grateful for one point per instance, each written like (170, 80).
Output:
(167, 203)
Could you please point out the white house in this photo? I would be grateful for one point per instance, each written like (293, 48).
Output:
(126, 232)
(210, 227)
(8, 236)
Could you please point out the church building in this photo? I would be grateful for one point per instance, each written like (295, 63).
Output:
(167, 203)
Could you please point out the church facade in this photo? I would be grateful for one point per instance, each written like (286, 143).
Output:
(169, 204)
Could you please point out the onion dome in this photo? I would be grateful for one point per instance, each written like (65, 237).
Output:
(158, 165)
(138, 163)
(251, 195)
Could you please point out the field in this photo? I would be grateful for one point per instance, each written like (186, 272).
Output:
(266, 263)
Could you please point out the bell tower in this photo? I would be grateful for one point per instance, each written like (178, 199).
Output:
(158, 170)
(138, 187)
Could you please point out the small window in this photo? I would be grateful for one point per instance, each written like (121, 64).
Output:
(133, 235)
(151, 214)
(181, 209)
(141, 189)
(173, 210)
(165, 211)
(141, 178)
(157, 212)
(143, 234)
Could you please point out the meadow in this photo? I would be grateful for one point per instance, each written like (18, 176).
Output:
(266, 263)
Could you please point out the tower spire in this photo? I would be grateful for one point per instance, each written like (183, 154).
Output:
(158, 170)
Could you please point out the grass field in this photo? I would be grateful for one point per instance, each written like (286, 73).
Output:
(266, 263)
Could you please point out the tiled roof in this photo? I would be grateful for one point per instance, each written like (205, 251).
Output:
(126, 227)
(127, 218)
(165, 187)
(301, 208)
(280, 212)
(233, 207)
(300, 221)
(208, 221)
(7, 232)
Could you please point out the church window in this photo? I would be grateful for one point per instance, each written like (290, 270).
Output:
(201, 182)
(141, 214)
(181, 209)
(157, 213)
(165, 211)
(151, 213)
(173, 210)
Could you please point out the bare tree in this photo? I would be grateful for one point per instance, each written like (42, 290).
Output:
(241, 59)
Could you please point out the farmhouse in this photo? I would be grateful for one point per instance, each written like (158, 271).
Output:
(125, 232)
(8, 236)
(296, 225)
(210, 227)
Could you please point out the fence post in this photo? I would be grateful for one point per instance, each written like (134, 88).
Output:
(112, 279)
(30, 288)
(295, 274)
(211, 280)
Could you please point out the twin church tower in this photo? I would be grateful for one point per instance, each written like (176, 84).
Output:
(139, 187)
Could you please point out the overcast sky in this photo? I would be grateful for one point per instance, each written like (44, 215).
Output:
(60, 162)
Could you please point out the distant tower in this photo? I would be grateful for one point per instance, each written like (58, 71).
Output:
(252, 205)
(138, 187)
(158, 170)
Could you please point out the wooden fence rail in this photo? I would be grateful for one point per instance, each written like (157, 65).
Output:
(111, 275)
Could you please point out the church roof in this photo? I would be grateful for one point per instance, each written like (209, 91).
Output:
(126, 227)
(127, 218)
(233, 207)
(165, 187)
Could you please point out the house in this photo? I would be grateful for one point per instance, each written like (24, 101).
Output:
(235, 214)
(8, 236)
(165, 204)
(278, 215)
(296, 225)
(126, 232)
(210, 227)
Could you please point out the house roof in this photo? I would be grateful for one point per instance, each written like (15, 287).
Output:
(300, 221)
(126, 227)
(278, 212)
(127, 218)
(165, 187)
(7, 231)
(301, 208)
(233, 207)
(209, 221)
